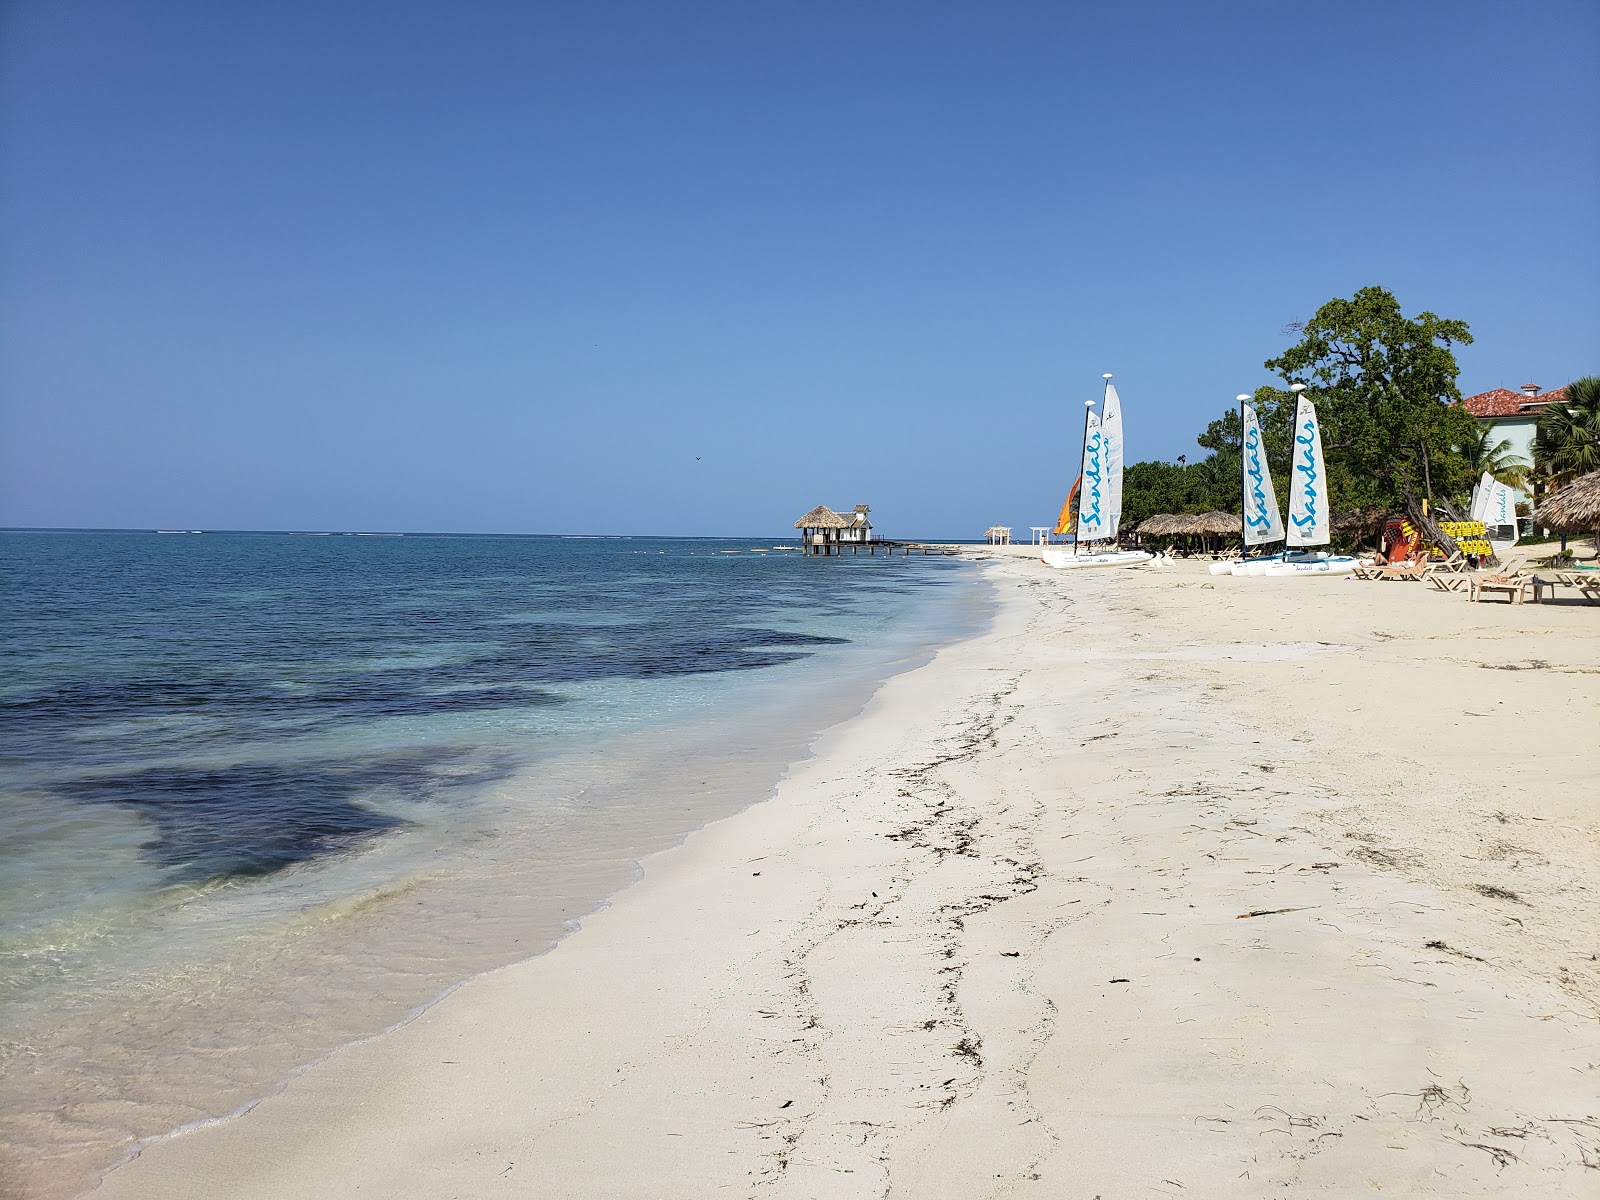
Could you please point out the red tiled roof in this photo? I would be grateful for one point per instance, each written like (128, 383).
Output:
(1503, 402)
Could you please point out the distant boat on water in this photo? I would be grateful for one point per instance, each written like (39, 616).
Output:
(180, 531)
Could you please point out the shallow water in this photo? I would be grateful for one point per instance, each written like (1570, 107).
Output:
(264, 794)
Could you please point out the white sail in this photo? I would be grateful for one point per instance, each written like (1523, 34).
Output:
(1111, 432)
(1308, 482)
(1262, 521)
(1509, 507)
(1480, 497)
(1092, 512)
(1501, 507)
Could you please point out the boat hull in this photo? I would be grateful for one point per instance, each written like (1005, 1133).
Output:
(1259, 565)
(1065, 559)
(1341, 564)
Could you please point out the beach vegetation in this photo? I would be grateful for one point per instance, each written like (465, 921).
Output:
(1149, 488)
(1486, 451)
(1385, 388)
(1566, 442)
(1393, 433)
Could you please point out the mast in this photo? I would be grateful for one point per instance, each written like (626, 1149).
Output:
(1083, 466)
(1244, 482)
(1104, 408)
(1296, 388)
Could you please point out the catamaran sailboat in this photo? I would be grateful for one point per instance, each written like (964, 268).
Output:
(1308, 501)
(1260, 521)
(1100, 501)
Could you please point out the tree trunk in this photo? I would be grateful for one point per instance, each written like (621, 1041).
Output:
(1426, 523)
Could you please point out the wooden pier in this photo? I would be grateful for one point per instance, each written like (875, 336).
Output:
(828, 534)
(889, 548)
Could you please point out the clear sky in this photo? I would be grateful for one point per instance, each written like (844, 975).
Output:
(682, 267)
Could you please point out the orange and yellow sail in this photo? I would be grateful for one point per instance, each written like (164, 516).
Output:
(1065, 523)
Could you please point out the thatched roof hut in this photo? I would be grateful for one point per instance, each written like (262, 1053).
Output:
(1217, 523)
(1573, 509)
(1362, 523)
(1188, 525)
(822, 517)
(1157, 526)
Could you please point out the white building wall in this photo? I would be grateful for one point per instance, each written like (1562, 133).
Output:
(1519, 432)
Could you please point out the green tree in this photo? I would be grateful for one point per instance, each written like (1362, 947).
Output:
(1275, 410)
(1566, 443)
(1487, 452)
(1149, 488)
(1386, 395)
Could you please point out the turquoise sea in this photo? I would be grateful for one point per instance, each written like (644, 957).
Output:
(264, 794)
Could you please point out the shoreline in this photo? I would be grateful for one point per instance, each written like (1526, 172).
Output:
(521, 892)
(959, 950)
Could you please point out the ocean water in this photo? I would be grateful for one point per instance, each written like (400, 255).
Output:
(266, 794)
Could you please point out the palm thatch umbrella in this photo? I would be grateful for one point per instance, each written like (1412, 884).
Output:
(822, 517)
(1188, 524)
(1573, 509)
(1217, 523)
(1157, 526)
(1361, 523)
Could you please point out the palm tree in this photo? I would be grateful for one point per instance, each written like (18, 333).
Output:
(1567, 441)
(1486, 452)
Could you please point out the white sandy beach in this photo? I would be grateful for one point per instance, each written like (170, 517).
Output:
(1165, 885)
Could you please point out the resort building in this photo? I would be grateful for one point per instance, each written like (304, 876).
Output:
(1514, 415)
(860, 528)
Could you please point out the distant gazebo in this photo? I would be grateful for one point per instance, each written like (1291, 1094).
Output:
(822, 529)
(998, 535)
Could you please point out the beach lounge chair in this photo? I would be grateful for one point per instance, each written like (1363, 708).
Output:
(1512, 584)
(1448, 575)
(1587, 584)
(1411, 571)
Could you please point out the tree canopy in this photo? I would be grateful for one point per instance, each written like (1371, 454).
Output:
(1567, 441)
(1392, 427)
(1488, 451)
(1385, 389)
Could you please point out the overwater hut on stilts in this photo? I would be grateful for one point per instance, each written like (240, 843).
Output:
(822, 530)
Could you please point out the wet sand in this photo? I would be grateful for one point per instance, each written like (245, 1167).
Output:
(1165, 885)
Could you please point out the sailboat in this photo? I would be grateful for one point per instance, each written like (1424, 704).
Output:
(1308, 503)
(1260, 522)
(1495, 505)
(1100, 500)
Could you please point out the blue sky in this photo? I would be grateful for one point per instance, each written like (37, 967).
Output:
(696, 267)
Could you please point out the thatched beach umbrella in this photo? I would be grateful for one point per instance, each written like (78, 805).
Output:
(1188, 524)
(1573, 509)
(1157, 526)
(822, 517)
(1217, 523)
(1361, 523)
